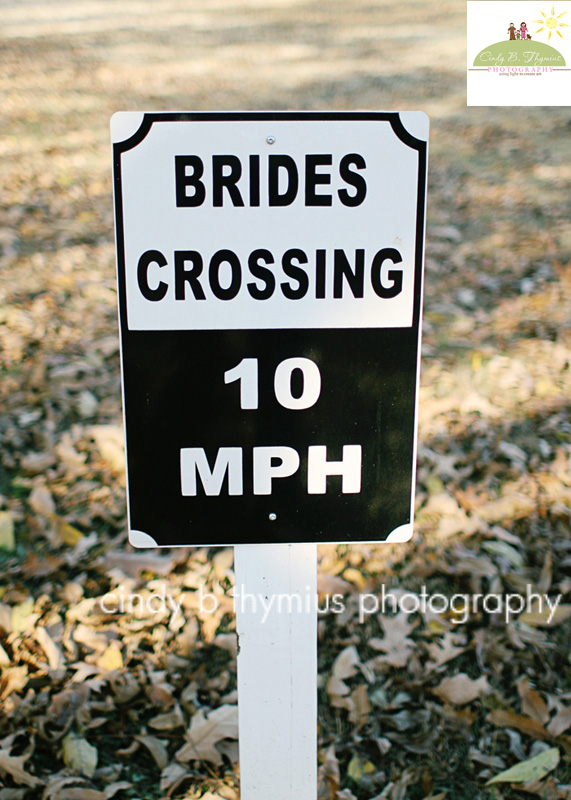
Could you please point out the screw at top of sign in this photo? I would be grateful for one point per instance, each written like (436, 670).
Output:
(270, 139)
(273, 516)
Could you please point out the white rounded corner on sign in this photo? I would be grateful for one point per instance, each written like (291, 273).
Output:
(416, 123)
(141, 539)
(125, 124)
(401, 534)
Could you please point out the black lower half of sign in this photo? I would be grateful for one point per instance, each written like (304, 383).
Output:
(176, 399)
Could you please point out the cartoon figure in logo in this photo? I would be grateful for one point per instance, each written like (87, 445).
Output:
(511, 31)
(523, 30)
(528, 36)
(517, 35)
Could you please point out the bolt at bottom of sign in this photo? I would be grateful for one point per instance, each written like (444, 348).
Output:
(273, 516)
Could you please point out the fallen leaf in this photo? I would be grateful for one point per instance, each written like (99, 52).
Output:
(560, 722)
(510, 507)
(507, 719)
(395, 644)
(532, 703)
(14, 766)
(156, 748)
(533, 769)
(328, 776)
(79, 755)
(111, 658)
(358, 768)
(110, 442)
(80, 793)
(172, 776)
(13, 679)
(67, 533)
(7, 540)
(461, 689)
(53, 653)
(346, 665)
(168, 721)
(205, 731)
(332, 584)
(443, 651)
(22, 616)
(545, 617)
(360, 707)
(41, 500)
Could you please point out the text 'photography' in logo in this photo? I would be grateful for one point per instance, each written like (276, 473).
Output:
(522, 48)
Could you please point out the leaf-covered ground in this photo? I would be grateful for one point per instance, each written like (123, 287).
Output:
(135, 702)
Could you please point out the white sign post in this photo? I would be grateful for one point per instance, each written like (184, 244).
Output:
(277, 670)
(270, 289)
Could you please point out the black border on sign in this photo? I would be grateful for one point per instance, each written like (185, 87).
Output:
(392, 117)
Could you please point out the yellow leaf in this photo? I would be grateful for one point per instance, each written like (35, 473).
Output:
(533, 769)
(7, 540)
(79, 755)
(111, 659)
(546, 617)
(357, 769)
(354, 576)
(69, 535)
(21, 614)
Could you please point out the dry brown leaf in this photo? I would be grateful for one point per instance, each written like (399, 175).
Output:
(360, 706)
(125, 686)
(560, 722)
(346, 665)
(206, 731)
(156, 748)
(53, 653)
(134, 563)
(172, 776)
(332, 584)
(507, 719)
(14, 766)
(461, 689)
(395, 644)
(511, 507)
(168, 721)
(110, 442)
(118, 786)
(73, 461)
(328, 776)
(533, 705)
(41, 500)
(443, 651)
(544, 583)
(34, 463)
(13, 679)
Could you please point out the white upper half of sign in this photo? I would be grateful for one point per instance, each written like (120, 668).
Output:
(333, 253)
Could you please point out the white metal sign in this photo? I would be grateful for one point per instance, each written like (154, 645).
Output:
(270, 283)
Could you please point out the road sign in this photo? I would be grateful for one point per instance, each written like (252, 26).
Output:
(270, 285)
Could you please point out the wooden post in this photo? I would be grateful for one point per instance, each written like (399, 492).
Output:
(276, 617)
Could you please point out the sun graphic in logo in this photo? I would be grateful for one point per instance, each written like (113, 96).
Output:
(551, 23)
